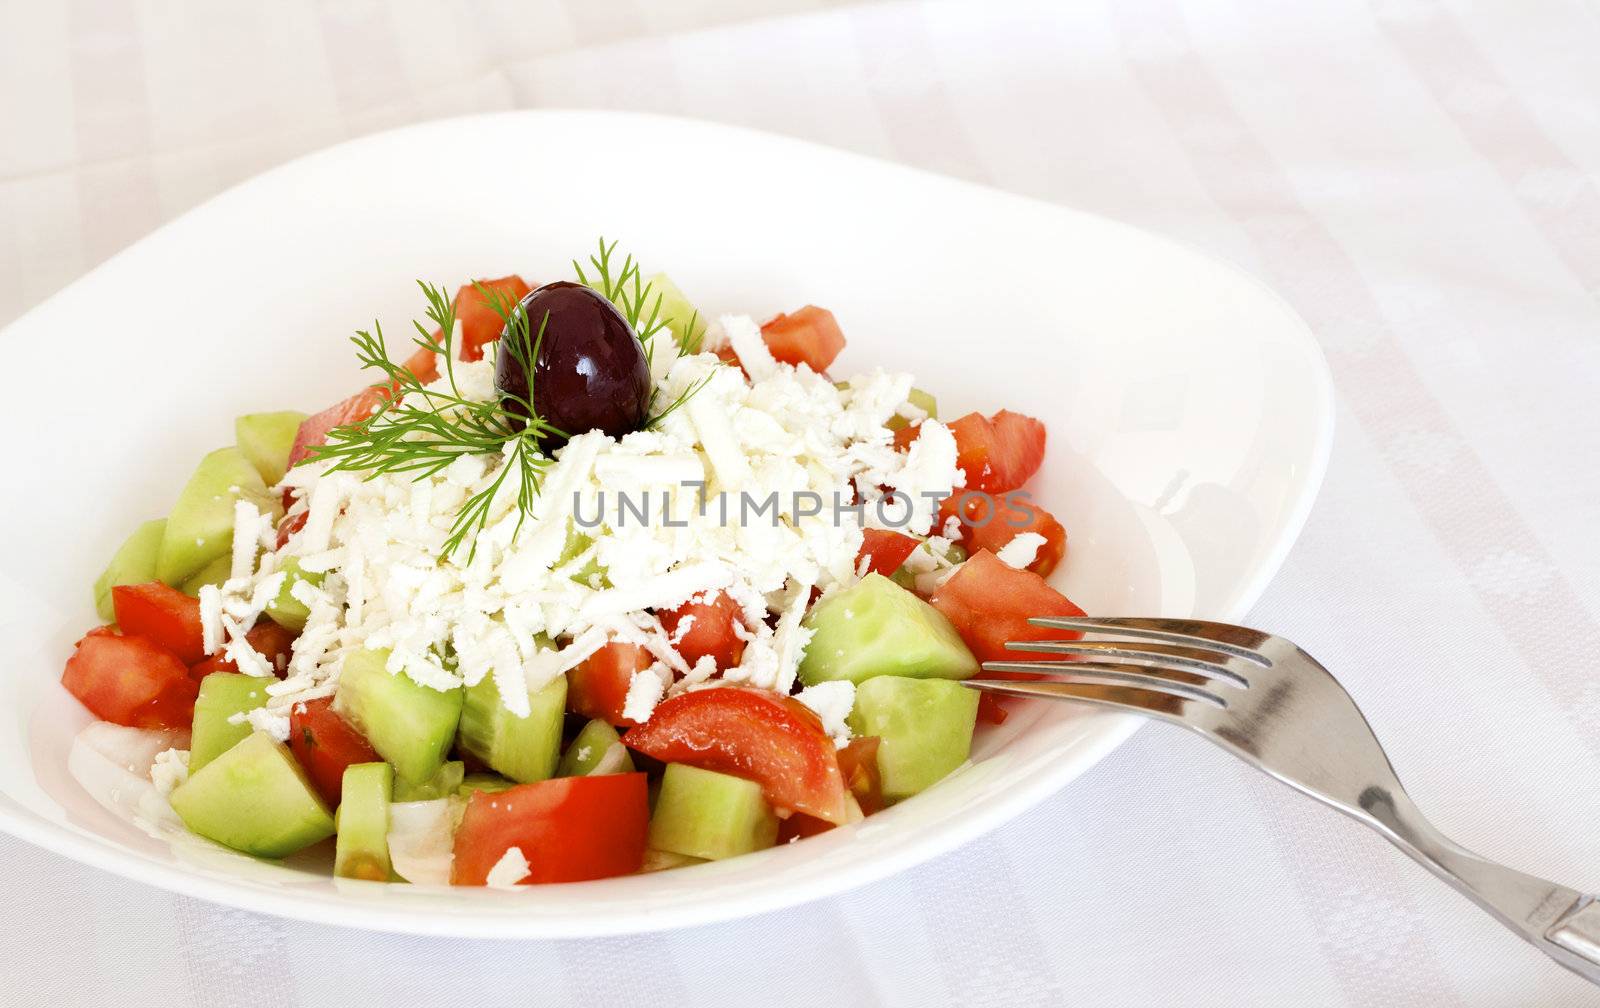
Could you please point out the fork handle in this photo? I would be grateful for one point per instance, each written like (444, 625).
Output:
(1559, 921)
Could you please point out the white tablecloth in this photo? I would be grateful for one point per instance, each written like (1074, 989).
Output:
(1420, 179)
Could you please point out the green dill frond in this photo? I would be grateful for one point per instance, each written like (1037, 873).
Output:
(421, 429)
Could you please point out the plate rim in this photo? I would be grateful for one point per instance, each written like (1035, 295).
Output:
(1115, 727)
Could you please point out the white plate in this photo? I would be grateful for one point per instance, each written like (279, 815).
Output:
(1189, 409)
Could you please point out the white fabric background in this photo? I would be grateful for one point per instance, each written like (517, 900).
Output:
(1421, 179)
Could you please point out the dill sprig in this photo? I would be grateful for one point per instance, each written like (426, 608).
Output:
(625, 287)
(422, 430)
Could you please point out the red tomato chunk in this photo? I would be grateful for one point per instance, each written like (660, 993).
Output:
(161, 614)
(270, 641)
(314, 429)
(131, 681)
(885, 550)
(985, 528)
(598, 688)
(480, 322)
(325, 745)
(990, 603)
(773, 740)
(569, 829)
(808, 336)
(998, 453)
(710, 630)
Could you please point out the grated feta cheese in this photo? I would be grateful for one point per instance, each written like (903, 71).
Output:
(171, 768)
(509, 871)
(210, 619)
(247, 523)
(831, 701)
(645, 690)
(517, 611)
(1021, 550)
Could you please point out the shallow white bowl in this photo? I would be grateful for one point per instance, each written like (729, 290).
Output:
(1189, 409)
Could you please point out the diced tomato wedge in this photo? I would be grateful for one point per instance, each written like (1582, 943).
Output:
(480, 323)
(808, 336)
(798, 826)
(130, 681)
(569, 829)
(990, 603)
(885, 550)
(273, 642)
(598, 687)
(773, 740)
(1009, 519)
(314, 429)
(858, 763)
(998, 453)
(289, 526)
(905, 436)
(710, 630)
(424, 364)
(991, 709)
(161, 614)
(325, 745)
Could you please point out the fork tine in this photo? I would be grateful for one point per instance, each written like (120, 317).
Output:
(1152, 655)
(1187, 633)
(1093, 674)
(1150, 703)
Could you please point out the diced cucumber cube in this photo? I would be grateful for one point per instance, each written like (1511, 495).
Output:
(925, 726)
(410, 725)
(593, 742)
(704, 814)
(266, 440)
(223, 695)
(254, 798)
(133, 563)
(876, 628)
(362, 849)
(524, 749)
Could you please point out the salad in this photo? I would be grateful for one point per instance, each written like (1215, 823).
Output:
(582, 584)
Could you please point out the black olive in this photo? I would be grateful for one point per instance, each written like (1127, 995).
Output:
(590, 372)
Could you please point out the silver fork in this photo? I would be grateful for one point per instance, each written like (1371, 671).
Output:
(1272, 705)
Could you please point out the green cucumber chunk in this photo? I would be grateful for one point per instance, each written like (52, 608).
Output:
(213, 573)
(875, 628)
(923, 401)
(410, 725)
(441, 785)
(222, 695)
(200, 528)
(925, 726)
(134, 562)
(286, 610)
(362, 849)
(688, 326)
(488, 783)
(593, 741)
(524, 749)
(704, 814)
(576, 542)
(254, 798)
(266, 440)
